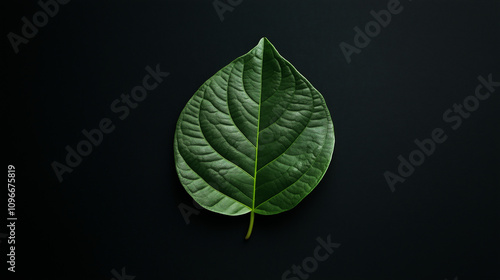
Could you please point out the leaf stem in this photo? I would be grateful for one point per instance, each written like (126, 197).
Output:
(252, 214)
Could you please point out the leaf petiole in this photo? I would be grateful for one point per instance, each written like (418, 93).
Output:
(252, 214)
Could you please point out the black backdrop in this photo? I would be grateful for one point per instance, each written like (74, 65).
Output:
(116, 215)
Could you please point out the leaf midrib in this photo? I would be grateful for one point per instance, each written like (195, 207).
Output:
(258, 127)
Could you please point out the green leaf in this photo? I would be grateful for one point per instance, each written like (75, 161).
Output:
(256, 137)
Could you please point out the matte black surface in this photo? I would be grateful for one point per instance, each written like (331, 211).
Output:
(119, 207)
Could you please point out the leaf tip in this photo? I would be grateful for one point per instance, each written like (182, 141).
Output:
(264, 41)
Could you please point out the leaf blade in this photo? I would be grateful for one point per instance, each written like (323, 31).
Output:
(256, 137)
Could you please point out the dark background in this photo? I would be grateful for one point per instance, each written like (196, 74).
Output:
(119, 207)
